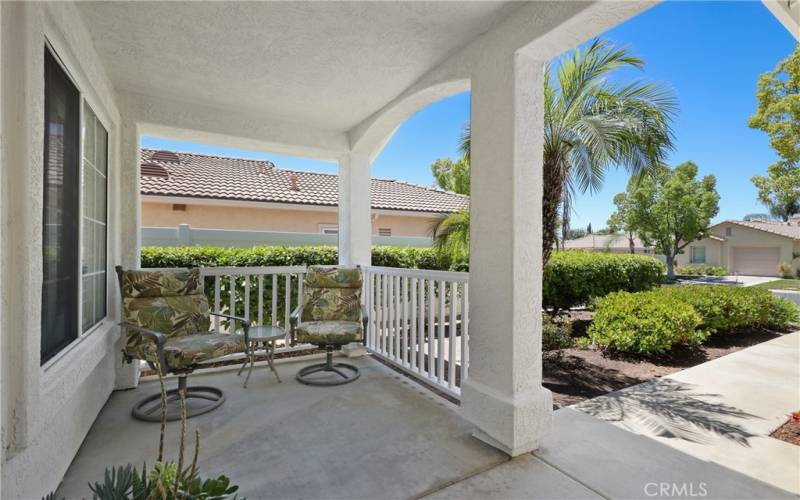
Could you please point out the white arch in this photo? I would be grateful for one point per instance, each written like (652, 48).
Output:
(372, 135)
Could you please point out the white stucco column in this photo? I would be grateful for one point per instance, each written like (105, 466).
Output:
(127, 374)
(503, 395)
(355, 225)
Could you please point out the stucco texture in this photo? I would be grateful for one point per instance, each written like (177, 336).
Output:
(200, 216)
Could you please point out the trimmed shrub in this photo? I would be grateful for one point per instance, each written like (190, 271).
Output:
(644, 323)
(701, 270)
(408, 257)
(652, 322)
(556, 334)
(577, 278)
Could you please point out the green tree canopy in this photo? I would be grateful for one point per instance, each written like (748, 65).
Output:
(778, 111)
(779, 190)
(618, 222)
(671, 208)
(451, 175)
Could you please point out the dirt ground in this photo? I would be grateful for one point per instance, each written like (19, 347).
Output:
(576, 374)
(790, 431)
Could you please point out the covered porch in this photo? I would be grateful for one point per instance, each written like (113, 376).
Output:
(321, 80)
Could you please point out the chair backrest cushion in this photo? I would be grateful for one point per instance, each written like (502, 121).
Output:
(169, 302)
(332, 294)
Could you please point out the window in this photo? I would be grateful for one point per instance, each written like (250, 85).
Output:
(95, 168)
(75, 213)
(61, 214)
(384, 231)
(698, 255)
(728, 231)
(329, 228)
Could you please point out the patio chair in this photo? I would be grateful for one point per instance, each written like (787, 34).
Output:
(330, 316)
(166, 319)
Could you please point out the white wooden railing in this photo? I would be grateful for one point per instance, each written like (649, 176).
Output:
(418, 319)
(419, 322)
(266, 295)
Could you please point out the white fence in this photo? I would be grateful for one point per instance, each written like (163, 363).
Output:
(418, 319)
(184, 235)
(419, 322)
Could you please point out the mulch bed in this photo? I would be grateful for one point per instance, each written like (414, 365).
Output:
(790, 431)
(576, 374)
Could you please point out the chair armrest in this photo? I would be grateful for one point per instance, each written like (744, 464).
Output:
(294, 319)
(364, 321)
(158, 339)
(246, 324)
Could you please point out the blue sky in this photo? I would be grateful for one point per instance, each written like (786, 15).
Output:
(710, 53)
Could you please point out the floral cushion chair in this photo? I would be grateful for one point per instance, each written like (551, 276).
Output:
(330, 316)
(166, 319)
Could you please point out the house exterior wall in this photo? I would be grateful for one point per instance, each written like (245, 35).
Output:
(720, 253)
(46, 410)
(198, 215)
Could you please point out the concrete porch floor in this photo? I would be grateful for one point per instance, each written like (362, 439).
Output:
(384, 436)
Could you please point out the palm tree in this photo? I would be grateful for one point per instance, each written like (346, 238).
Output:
(590, 125)
(451, 235)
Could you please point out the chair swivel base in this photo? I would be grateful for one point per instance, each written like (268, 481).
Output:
(199, 400)
(343, 373)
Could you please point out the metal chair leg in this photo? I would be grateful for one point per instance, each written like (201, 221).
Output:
(339, 369)
(149, 408)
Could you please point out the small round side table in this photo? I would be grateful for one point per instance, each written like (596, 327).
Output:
(266, 335)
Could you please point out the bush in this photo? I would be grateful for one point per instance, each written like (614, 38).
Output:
(576, 278)
(644, 323)
(556, 334)
(785, 270)
(652, 322)
(409, 257)
(726, 308)
(701, 270)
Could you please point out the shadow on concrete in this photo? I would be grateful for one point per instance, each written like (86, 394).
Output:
(668, 408)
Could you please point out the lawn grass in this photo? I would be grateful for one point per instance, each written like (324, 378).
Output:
(781, 284)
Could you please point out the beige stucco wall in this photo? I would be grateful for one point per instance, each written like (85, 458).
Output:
(199, 216)
(721, 253)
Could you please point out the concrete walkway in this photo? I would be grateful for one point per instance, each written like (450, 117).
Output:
(722, 411)
(702, 432)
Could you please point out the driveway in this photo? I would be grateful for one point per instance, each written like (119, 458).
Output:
(729, 280)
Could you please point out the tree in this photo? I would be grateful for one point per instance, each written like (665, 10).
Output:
(778, 111)
(451, 232)
(574, 234)
(589, 228)
(591, 124)
(451, 175)
(778, 115)
(618, 222)
(671, 208)
(451, 235)
(779, 190)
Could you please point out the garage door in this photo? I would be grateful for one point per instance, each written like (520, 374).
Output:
(756, 261)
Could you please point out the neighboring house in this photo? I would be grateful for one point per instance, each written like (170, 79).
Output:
(215, 192)
(615, 243)
(749, 248)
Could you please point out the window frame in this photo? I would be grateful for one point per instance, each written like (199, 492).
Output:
(85, 98)
(693, 259)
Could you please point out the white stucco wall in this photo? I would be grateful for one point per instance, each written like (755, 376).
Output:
(47, 410)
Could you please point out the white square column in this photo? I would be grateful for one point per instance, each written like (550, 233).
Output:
(355, 222)
(503, 395)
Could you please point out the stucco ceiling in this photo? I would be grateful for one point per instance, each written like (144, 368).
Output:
(330, 64)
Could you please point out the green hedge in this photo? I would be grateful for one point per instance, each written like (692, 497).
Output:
(652, 322)
(570, 278)
(701, 270)
(644, 323)
(576, 278)
(408, 257)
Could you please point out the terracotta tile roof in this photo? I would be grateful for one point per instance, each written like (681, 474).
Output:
(787, 229)
(205, 176)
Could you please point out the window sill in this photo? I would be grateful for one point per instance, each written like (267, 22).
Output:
(71, 353)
